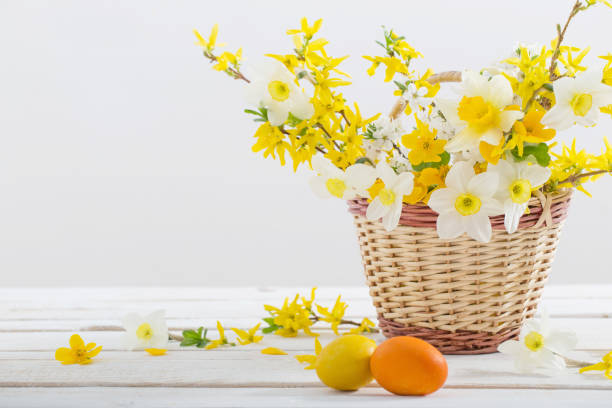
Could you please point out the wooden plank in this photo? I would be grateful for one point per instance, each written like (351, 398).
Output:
(593, 334)
(76, 296)
(249, 368)
(357, 308)
(294, 397)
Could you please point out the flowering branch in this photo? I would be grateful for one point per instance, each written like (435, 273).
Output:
(576, 177)
(560, 36)
(232, 71)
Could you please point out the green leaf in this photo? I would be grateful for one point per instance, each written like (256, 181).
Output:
(363, 160)
(548, 87)
(293, 120)
(191, 334)
(189, 342)
(270, 329)
(539, 153)
(445, 156)
(269, 320)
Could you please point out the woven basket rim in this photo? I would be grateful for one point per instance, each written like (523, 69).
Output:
(421, 215)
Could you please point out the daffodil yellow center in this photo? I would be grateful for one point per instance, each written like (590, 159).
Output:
(479, 114)
(387, 197)
(581, 104)
(336, 187)
(468, 204)
(534, 341)
(520, 191)
(279, 90)
(144, 331)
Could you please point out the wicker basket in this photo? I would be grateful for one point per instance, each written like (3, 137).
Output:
(460, 295)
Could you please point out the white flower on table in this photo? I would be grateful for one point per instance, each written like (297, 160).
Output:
(466, 204)
(389, 201)
(578, 101)
(348, 184)
(516, 182)
(539, 346)
(483, 113)
(276, 90)
(143, 332)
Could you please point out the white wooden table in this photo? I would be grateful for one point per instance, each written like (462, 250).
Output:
(34, 322)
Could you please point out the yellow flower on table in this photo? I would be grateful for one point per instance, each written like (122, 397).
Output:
(156, 351)
(221, 341)
(291, 318)
(335, 316)
(78, 353)
(310, 359)
(605, 365)
(366, 325)
(249, 337)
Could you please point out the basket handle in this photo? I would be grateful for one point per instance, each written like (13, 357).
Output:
(446, 76)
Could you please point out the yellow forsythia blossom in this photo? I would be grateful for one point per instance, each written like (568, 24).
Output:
(78, 353)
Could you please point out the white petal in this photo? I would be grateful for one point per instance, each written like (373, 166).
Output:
(131, 321)
(513, 213)
(318, 185)
(404, 184)
(483, 185)
(507, 119)
(466, 139)
(559, 117)
(278, 113)
(386, 174)
(536, 174)
(547, 359)
(492, 136)
(491, 207)
(509, 347)
(302, 108)
(450, 225)
(443, 200)
(391, 219)
(561, 341)
(478, 226)
(360, 176)
(500, 91)
(459, 176)
(376, 209)
(448, 108)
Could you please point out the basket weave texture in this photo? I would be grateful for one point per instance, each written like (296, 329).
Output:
(462, 296)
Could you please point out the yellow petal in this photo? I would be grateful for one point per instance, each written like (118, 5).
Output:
(76, 342)
(273, 351)
(307, 358)
(156, 351)
(94, 352)
(241, 333)
(65, 355)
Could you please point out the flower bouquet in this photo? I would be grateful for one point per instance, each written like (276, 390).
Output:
(458, 198)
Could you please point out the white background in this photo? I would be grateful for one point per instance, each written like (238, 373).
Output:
(125, 160)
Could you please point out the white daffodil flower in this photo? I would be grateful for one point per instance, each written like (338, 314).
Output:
(466, 204)
(348, 184)
(142, 332)
(539, 346)
(389, 201)
(483, 113)
(277, 91)
(516, 182)
(578, 100)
